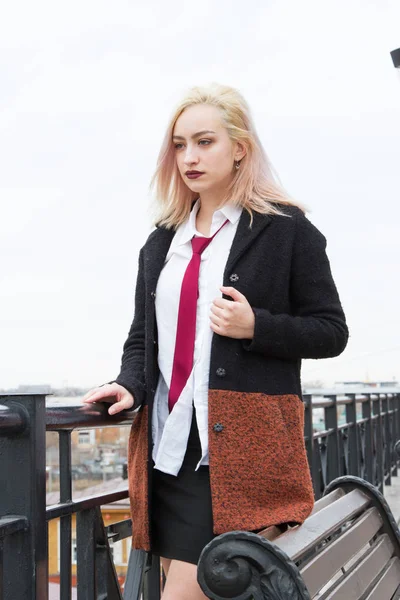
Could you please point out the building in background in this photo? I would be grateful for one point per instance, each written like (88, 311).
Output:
(367, 384)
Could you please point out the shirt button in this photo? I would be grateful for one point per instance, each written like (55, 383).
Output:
(234, 277)
(221, 372)
(218, 427)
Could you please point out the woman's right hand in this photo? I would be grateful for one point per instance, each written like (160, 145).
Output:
(120, 398)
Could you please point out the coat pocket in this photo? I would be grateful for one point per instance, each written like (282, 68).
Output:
(258, 466)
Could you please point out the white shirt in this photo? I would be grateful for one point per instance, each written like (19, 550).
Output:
(170, 431)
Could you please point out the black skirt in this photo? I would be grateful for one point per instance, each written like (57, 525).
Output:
(181, 514)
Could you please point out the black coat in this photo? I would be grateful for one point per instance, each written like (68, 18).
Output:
(281, 267)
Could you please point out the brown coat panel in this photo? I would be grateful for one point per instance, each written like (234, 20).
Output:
(258, 464)
(138, 480)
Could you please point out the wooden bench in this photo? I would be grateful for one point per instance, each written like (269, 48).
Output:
(347, 549)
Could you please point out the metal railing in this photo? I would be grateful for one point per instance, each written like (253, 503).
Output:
(357, 436)
(363, 442)
(24, 516)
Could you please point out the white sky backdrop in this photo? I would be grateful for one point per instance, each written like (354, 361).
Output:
(86, 90)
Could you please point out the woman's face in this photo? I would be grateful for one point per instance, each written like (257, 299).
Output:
(202, 144)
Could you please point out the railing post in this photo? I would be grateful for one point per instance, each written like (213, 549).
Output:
(333, 458)
(396, 430)
(135, 575)
(398, 415)
(387, 441)
(354, 444)
(64, 441)
(309, 443)
(378, 441)
(369, 473)
(23, 492)
(152, 580)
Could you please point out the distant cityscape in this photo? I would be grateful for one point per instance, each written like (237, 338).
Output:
(74, 391)
(46, 388)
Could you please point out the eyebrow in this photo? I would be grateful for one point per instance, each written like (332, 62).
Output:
(195, 135)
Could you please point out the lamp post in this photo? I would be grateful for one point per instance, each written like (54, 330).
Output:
(395, 54)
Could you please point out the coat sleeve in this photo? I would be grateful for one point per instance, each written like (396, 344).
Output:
(316, 327)
(131, 375)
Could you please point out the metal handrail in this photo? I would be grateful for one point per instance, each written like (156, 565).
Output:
(62, 509)
(84, 416)
(13, 420)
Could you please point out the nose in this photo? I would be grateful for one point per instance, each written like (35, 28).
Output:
(191, 157)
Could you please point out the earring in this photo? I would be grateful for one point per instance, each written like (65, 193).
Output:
(237, 164)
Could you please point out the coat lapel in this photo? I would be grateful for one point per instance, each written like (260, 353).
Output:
(245, 237)
(156, 256)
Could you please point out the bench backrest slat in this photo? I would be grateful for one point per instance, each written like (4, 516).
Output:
(396, 595)
(326, 500)
(335, 555)
(388, 583)
(296, 542)
(362, 576)
(272, 532)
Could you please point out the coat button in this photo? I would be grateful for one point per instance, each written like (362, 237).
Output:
(234, 277)
(153, 294)
(221, 372)
(218, 427)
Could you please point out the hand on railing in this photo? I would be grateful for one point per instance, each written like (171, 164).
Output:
(120, 398)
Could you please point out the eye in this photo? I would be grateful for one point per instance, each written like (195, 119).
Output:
(206, 142)
(178, 146)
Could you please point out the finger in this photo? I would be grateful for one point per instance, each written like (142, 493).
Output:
(217, 320)
(233, 293)
(114, 408)
(222, 303)
(87, 395)
(90, 393)
(118, 406)
(92, 397)
(104, 394)
(217, 310)
(217, 328)
(103, 386)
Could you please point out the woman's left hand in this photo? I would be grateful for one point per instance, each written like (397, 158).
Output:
(232, 319)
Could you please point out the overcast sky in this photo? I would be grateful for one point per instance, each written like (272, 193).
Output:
(87, 88)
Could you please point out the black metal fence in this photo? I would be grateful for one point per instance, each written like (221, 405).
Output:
(359, 436)
(356, 434)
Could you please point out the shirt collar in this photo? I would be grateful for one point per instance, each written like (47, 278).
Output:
(227, 211)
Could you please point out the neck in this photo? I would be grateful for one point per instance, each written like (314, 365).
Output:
(208, 205)
(204, 216)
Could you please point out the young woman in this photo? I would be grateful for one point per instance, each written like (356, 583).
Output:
(213, 355)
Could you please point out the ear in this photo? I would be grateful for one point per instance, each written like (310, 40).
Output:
(240, 150)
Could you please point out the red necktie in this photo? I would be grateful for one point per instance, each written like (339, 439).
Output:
(186, 326)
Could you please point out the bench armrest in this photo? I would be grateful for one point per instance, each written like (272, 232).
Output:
(243, 565)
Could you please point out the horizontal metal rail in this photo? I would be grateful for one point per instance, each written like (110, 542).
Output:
(62, 509)
(11, 524)
(84, 416)
(13, 420)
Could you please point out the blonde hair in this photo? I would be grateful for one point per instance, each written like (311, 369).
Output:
(255, 184)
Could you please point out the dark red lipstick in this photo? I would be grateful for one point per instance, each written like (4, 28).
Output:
(193, 174)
